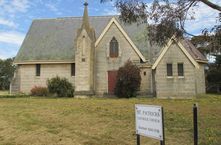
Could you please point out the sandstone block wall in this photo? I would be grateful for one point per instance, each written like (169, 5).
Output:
(28, 78)
(103, 63)
(200, 77)
(84, 56)
(16, 80)
(146, 81)
(176, 86)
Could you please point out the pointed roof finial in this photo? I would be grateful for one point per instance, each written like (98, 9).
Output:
(85, 3)
(85, 23)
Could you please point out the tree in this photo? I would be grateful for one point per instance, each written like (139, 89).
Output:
(201, 42)
(207, 44)
(218, 62)
(168, 17)
(6, 73)
(128, 80)
(213, 76)
(211, 45)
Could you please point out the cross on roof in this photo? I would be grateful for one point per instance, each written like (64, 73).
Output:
(85, 3)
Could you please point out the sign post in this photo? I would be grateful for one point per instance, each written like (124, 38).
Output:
(162, 142)
(138, 139)
(149, 122)
(195, 124)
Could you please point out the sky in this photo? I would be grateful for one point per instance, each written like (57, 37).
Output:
(16, 17)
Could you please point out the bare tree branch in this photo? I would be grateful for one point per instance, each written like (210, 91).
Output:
(167, 16)
(212, 5)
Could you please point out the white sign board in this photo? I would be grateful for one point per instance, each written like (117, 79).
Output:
(149, 121)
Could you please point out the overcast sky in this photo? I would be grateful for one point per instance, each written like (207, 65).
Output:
(16, 17)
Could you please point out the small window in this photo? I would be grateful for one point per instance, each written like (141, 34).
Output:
(169, 69)
(38, 69)
(114, 48)
(73, 69)
(144, 73)
(180, 69)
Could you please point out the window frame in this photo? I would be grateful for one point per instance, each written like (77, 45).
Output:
(73, 69)
(169, 69)
(114, 48)
(144, 73)
(38, 70)
(180, 74)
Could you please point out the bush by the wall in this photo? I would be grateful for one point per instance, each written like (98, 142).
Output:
(61, 87)
(128, 80)
(39, 91)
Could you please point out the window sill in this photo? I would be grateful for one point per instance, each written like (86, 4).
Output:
(37, 77)
(181, 77)
(170, 77)
(113, 57)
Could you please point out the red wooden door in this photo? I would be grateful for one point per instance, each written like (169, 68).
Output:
(112, 78)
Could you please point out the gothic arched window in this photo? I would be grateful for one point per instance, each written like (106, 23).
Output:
(114, 47)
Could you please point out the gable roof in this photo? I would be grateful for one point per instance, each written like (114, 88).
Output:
(52, 40)
(114, 21)
(187, 48)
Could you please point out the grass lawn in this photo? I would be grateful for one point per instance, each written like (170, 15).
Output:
(4, 93)
(69, 121)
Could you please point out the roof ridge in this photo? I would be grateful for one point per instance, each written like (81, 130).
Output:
(76, 17)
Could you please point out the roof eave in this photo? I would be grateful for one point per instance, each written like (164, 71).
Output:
(42, 62)
(202, 61)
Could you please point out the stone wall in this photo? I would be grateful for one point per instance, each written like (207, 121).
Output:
(103, 63)
(146, 81)
(84, 57)
(16, 80)
(176, 86)
(29, 79)
(200, 77)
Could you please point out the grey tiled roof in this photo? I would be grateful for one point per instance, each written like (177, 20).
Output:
(193, 51)
(53, 39)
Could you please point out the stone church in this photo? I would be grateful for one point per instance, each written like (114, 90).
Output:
(88, 51)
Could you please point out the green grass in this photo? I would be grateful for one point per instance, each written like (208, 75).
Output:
(102, 121)
(4, 93)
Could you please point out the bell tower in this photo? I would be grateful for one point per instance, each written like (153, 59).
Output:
(84, 57)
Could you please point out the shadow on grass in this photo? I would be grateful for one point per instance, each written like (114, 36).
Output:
(14, 96)
(36, 97)
(204, 96)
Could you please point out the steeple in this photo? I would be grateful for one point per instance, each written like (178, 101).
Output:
(84, 57)
(85, 23)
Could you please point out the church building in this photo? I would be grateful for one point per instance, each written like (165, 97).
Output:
(88, 51)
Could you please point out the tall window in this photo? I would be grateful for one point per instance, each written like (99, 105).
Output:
(180, 69)
(114, 48)
(38, 70)
(169, 69)
(84, 46)
(73, 69)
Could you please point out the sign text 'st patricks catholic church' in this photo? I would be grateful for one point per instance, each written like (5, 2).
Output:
(149, 121)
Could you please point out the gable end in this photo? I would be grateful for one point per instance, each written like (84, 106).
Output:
(165, 49)
(113, 20)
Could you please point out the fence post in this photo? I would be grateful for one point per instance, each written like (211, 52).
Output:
(138, 139)
(195, 124)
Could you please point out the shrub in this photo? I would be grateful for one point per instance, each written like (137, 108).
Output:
(128, 80)
(39, 91)
(61, 87)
